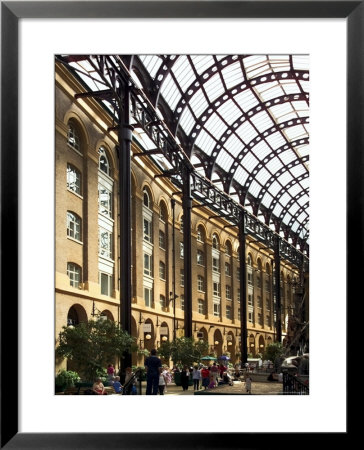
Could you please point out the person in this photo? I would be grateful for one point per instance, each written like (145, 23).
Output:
(212, 383)
(185, 377)
(214, 371)
(128, 376)
(205, 374)
(248, 384)
(98, 388)
(152, 365)
(117, 385)
(196, 376)
(162, 381)
(110, 372)
(168, 376)
(237, 373)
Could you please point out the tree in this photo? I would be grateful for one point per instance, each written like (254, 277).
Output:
(92, 345)
(184, 351)
(274, 353)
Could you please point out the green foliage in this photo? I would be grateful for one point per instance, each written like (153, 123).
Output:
(67, 378)
(92, 345)
(184, 351)
(273, 351)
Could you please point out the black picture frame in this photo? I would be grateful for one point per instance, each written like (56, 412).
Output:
(11, 12)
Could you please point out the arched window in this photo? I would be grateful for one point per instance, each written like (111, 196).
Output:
(73, 136)
(200, 234)
(74, 226)
(229, 250)
(74, 273)
(146, 198)
(215, 242)
(104, 164)
(73, 179)
(163, 216)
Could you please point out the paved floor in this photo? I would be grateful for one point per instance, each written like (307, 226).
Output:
(258, 388)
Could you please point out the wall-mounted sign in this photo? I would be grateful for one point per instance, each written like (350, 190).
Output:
(147, 327)
(163, 331)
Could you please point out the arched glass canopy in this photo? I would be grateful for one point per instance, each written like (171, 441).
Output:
(243, 120)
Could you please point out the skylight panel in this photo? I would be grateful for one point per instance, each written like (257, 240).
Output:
(215, 125)
(205, 142)
(267, 200)
(291, 88)
(275, 92)
(287, 156)
(246, 100)
(229, 111)
(287, 218)
(302, 216)
(285, 198)
(300, 62)
(170, 92)
(151, 63)
(274, 165)
(261, 150)
(277, 209)
(298, 170)
(294, 208)
(224, 160)
(220, 57)
(295, 226)
(303, 200)
(305, 183)
(294, 190)
(275, 140)
(187, 121)
(300, 106)
(285, 178)
(234, 145)
(274, 188)
(295, 132)
(214, 87)
(263, 176)
(240, 175)
(183, 72)
(232, 75)
(246, 132)
(255, 188)
(202, 62)
(198, 103)
(262, 121)
(281, 109)
(249, 162)
(305, 85)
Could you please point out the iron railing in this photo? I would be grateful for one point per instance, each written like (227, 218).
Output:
(293, 386)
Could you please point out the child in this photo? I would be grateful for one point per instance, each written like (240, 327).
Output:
(117, 385)
(162, 381)
(248, 384)
(212, 382)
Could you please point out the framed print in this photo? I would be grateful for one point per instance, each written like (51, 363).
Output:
(32, 35)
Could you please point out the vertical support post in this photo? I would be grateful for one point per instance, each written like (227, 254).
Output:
(243, 293)
(187, 248)
(173, 205)
(125, 137)
(277, 272)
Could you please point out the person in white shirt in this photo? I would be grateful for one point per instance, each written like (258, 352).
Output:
(196, 376)
(162, 381)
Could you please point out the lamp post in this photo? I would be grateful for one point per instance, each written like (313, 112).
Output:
(173, 293)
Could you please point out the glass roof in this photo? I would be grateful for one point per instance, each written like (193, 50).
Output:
(244, 119)
(249, 116)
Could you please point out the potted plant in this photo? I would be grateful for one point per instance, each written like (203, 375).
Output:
(65, 379)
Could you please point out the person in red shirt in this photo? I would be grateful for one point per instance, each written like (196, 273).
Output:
(205, 374)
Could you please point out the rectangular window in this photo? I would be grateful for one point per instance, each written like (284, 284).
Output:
(239, 295)
(105, 243)
(200, 283)
(162, 270)
(73, 179)
(267, 304)
(148, 264)
(250, 278)
(73, 226)
(228, 292)
(228, 269)
(250, 317)
(250, 300)
(260, 319)
(106, 283)
(182, 302)
(259, 302)
(267, 285)
(217, 307)
(201, 306)
(148, 297)
(74, 274)
(215, 265)
(147, 230)
(181, 250)
(238, 273)
(216, 289)
(182, 277)
(259, 281)
(200, 257)
(267, 320)
(105, 199)
(162, 240)
(162, 301)
(229, 312)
